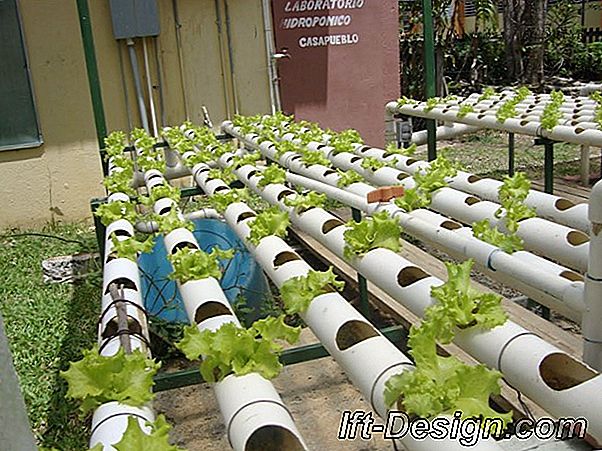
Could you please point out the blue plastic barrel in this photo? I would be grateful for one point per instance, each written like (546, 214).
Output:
(242, 275)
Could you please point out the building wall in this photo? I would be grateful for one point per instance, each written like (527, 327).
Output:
(55, 181)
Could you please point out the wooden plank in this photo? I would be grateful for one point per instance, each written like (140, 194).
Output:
(560, 191)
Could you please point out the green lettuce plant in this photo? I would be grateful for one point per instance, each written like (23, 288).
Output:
(298, 292)
(269, 222)
(236, 350)
(378, 231)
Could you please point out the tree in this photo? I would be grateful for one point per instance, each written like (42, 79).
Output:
(534, 25)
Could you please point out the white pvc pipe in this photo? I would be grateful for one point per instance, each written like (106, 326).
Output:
(550, 285)
(371, 359)
(592, 319)
(249, 404)
(541, 376)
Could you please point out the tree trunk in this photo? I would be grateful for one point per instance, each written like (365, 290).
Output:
(534, 20)
(513, 14)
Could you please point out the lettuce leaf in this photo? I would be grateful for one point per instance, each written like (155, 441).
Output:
(193, 264)
(272, 221)
(302, 203)
(126, 378)
(113, 211)
(347, 178)
(157, 440)
(298, 292)
(232, 349)
(221, 201)
(272, 174)
(131, 247)
(379, 231)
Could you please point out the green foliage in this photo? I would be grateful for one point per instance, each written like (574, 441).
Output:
(344, 141)
(232, 349)
(220, 201)
(225, 176)
(283, 147)
(406, 101)
(483, 231)
(346, 178)
(372, 164)
(302, 203)
(199, 157)
(298, 292)
(487, 94)
(115, 143)
(597, 96)
(194, 264)
(551, 113)
(311, 157)
(444, 385)
(130, 247)
(392, 149)
(512, 195)
(135, 439)
(164, 191)
(508, 108)
(379, 231)
(250, 158)
(120, 181)
(272, 174)
(171, 221)
(112, 211)
(464, 110)
(269, 222)
(126, 378)
(427, 182)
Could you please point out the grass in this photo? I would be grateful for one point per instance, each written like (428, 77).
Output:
(47, 325)
(486, 152)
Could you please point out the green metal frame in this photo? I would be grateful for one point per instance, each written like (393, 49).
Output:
(93, 77)
(430, 75)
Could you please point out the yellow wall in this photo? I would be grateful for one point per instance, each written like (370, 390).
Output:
(55, 181)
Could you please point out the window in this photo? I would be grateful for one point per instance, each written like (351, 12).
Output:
(18, 119)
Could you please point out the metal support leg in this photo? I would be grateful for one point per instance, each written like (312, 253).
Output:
(511, 154)
(361, 280)
(99, 228)
(549, 167)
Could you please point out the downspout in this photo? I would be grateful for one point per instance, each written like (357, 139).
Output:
(149, 87)
(429, 72)
(178, 26)
(137, 84)
(231, 57)
(218, 22)
(93, 77)
(269, 48)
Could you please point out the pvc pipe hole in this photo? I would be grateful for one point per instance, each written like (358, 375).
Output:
(285, 192)
(576, 238)
(524, 123)
(165, 210)
(321, 146)
(354, 332)
(284, 257)
(471, 200)
(409, 275)
(480, 116)
(209, 310)
(364, 149)
(122, 282)
(328, 172)
(205, 169)
(296, 157)
(560, 372)
(121, 232)
(354, 159)
(220, 188)
(154, 176)
(112, 327)
(473, 179)
(563, 204)
(572, 276)
(330, 225)
(410, 161)
(451, 225)
(579, 130)
(251, 174)
(402, 176)
(182, 245)
(273, 438)
(245, 215)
